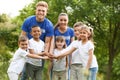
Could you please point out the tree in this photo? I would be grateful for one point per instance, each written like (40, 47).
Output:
(4, 18)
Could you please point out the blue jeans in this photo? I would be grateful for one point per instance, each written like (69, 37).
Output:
(24, 75)
(93, 73)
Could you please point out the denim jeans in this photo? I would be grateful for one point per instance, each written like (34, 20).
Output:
(24, 75)
(93, 73)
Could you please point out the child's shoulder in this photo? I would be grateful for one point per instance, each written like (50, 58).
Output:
(42, 41)
(90, 42)
(31, 40)
(75, 42)
(19, 50)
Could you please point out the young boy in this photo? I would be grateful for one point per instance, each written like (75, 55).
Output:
(19, 59)
(36, 45)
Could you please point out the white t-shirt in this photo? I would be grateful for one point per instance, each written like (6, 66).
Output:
(83, 51)
(76, 59)
(59, 65)
(37, 47)
(18, 61)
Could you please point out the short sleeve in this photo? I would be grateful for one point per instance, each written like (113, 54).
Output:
(23, 53)
(75, 44)
(71, 32)
(30, 44)
(50, 29)
(91, 45)
(24, 26)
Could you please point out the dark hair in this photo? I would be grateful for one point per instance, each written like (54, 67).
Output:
(60, 38)
(35, 26)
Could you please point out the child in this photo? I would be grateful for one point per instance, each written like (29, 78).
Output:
(76, 63)
(59, 66)
(86, 52)
(19, 59)
(36, 45)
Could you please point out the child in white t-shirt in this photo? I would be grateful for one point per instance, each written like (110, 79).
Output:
(34, 67)
(16, 66)
(86, 52)
(76, 62)
(59, 66)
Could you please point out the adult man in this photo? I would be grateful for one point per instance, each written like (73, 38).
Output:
(45, 24)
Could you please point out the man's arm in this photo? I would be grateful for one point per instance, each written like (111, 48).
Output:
(23, 33)
(47, 43)
(52, 45)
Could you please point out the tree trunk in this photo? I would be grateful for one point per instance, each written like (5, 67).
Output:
(110, 61)
(109, 69)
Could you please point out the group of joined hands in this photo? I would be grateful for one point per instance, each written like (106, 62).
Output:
(50, 56)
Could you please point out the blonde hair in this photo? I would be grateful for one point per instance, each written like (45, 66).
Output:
(61, 14)
(22, 38)
(42, 3)
(60, 38)
(77, 24)
(89, 30)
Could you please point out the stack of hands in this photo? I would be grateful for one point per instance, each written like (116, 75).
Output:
(50, 56)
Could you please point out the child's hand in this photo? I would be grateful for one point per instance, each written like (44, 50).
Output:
(45, 57)
(51, 55)
(86, 72)
(59, 57)
(45, 53)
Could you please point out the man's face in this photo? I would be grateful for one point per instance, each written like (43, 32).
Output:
(41, 12)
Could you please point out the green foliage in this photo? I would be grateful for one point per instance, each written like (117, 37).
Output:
(116, 71)
(8, 42)
(10, 38)
(4, 18)
(3, 70)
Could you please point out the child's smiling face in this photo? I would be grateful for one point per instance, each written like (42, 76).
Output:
(23, 44)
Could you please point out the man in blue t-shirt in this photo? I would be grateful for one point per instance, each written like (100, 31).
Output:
(45, 24)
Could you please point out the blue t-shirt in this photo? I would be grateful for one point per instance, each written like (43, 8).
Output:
(46, 27)
(68, 34)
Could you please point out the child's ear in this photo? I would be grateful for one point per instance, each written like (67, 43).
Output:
(89, 35)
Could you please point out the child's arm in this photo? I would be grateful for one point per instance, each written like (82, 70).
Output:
(90, 53)
(86, 72)
(66, 53)
(37, 56)
(66, 62)
(32, 52)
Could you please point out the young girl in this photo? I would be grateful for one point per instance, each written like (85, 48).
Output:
(19, 59)
(59, 66)
(86, 52)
